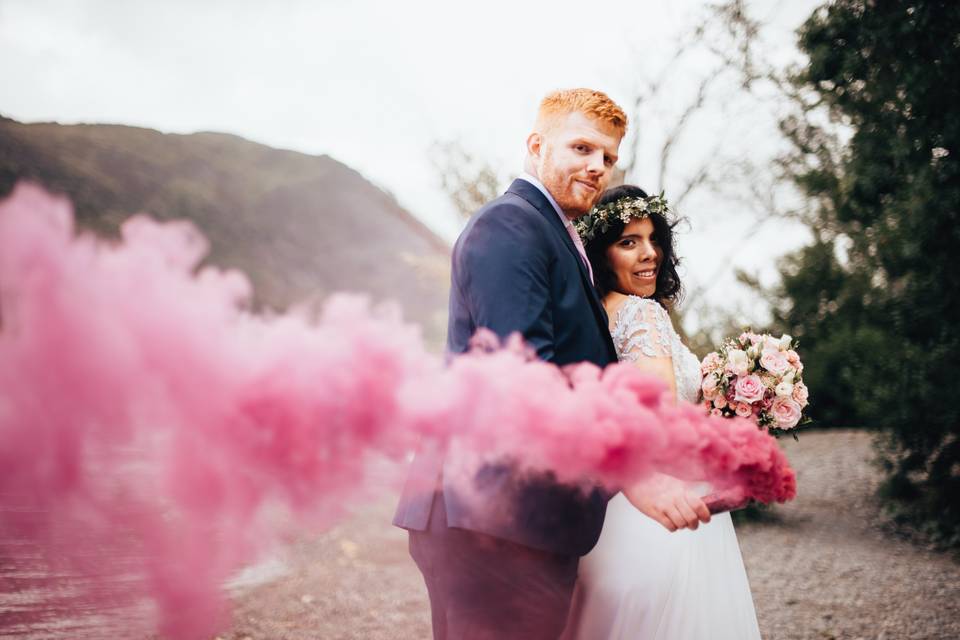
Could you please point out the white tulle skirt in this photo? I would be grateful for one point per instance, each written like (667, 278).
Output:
(643, 582)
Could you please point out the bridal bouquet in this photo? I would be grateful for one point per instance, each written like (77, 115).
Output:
(756, 376)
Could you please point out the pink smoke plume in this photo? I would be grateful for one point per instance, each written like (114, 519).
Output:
(146, 414)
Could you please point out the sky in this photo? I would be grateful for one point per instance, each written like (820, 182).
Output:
(376, 83)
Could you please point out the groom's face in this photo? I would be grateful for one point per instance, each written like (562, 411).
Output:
(574, 160)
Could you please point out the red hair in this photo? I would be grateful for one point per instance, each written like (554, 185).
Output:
(594, 104)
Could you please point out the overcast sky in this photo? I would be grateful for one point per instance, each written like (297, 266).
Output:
(374, 83)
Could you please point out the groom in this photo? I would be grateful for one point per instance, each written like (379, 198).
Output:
(504, 566)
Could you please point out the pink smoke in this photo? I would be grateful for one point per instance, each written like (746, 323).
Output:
(146, 413)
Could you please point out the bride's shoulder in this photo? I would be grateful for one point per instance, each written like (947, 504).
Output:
(637, 307)
(641, 326)
(631, 313)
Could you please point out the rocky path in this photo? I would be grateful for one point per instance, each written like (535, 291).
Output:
(826, 570)
(822, 570)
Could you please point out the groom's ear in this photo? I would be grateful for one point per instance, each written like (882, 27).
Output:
(534, 144)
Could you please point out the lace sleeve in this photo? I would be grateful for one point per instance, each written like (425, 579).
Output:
(642, 330)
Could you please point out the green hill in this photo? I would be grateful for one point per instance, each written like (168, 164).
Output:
(299, 226)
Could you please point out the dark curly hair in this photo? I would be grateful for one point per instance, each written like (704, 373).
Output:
(668, 281)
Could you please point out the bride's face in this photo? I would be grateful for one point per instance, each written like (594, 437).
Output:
(635, 259)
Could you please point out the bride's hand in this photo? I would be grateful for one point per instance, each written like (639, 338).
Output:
(666, 500)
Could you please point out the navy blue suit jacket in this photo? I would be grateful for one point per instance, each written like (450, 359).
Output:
(515, 269)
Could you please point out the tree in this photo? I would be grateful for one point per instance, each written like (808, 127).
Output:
(876, 298)
(469, 181)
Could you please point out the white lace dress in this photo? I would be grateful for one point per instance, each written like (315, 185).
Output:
(641, 581)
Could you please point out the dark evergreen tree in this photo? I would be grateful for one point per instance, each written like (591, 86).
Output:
(876, 299)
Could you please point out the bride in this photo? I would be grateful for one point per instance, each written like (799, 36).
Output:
(642, 580)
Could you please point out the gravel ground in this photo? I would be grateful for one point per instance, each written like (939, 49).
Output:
(827, 569)
(823, 569)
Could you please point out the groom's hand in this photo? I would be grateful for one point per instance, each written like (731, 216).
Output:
(666, 500)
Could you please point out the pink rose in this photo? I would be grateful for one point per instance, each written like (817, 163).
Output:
(785, 413)
(744, 410)
(774, 361)
(709, 386)
(720, 402)
(801, 394)
(749, 389)
(710, 363)
(793, 357)
(716, 412)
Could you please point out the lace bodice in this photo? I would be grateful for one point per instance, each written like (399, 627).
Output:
(643, 329)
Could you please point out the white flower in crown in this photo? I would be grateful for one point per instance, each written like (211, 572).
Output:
(598, 219)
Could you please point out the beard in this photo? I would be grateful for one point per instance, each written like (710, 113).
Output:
(573, 198)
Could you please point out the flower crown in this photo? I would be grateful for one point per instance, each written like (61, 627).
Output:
(598, 219)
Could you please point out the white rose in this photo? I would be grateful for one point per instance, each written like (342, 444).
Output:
(737, 362)
(785, 342)
(784, 389)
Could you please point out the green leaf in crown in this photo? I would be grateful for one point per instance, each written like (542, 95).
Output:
(598, 219)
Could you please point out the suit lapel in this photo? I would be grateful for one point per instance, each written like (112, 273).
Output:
(535, 197)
